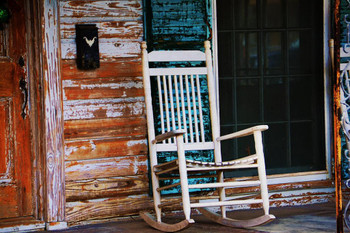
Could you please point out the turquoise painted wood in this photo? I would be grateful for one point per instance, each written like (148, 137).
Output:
(177, 24)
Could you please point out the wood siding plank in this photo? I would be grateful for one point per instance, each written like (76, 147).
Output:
(107, 148)
(109, 167)
(107, 207)
(106, 187)
(103, 108)
(110, 48)
(132, 30)
(128, 9)
(131, 127)
(121, 67)
(102, 88)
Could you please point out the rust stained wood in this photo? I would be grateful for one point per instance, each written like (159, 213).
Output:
(131, 30)
(336, 117)
(125, 9)
(104, 148)
(95, 88)
(53, 114)
(9, 202)
(120, 67)
(103, 108)
(106, 187)
(16, 189)
(130, 127)
(106, 207)
(106, 167)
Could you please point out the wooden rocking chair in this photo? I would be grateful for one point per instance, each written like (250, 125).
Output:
(181, 110)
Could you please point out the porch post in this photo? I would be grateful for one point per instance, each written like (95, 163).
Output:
(54, 182)
(336, 109)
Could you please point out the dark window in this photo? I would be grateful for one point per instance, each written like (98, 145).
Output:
(271, 72)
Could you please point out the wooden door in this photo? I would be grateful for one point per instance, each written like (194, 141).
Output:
(16, 198)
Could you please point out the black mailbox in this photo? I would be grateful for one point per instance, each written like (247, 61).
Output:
(88, 55)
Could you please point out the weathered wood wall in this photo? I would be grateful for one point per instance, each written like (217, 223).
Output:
(104, 116)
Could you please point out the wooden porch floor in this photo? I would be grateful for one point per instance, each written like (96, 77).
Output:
(311, 218)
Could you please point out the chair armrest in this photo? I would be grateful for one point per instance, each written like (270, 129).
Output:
(244, 132)
(164, 136)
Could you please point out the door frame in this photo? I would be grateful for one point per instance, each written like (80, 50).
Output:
(328, 113)
(49, 113)
(46, 118)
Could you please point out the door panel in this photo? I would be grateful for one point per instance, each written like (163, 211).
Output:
(16, 199)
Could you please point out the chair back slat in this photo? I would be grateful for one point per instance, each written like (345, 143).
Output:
(181, 100)
(180, 104)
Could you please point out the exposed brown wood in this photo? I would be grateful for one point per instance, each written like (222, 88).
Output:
(336, 117)
(109, 167)
(16, 187)
(22, 224)
(106, 187)
(107, 207)
(132, 128)
(126, 9)
(110, 48)
(150, 220)
(95, 88)
(110, 29)
(53, 112)
(104, 148)
(103, 108)
(105, 130)
(120, 67)
(9, 202)
(35, 99)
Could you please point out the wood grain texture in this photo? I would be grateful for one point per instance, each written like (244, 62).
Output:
(9, 202)
(107, 207)
(110, 48)
(131, 30)
(53, 115)
(105, 127)
(103, 108)
(130, 127)
(104, 148)
(120, 67)
(106, 167)
(96, 88)
(106, 187)
(126, 9)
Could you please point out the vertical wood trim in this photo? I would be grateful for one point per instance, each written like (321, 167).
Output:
(336, 112)
(33, 51)
(54, 189)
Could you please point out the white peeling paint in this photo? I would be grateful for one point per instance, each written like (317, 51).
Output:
(70, 149)
(93, 145)
(136, 142)
(85, 109)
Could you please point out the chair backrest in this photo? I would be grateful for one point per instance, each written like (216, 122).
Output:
(184, 98)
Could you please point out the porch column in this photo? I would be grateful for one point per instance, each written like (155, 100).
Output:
(54, 182)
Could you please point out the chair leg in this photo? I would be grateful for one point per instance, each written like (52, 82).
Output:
(156, 196)
(183, 178)
(262, 171)
(222, 194)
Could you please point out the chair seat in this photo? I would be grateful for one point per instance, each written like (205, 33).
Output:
(193, 165)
